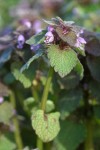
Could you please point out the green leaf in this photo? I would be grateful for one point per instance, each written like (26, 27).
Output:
(79, 69)
(26, 78)
(69, 82)
(50, 106)
(94, 65)
(63, 61)
(69, 102)
(6, 143)
(37, 39)
(37, 55)
(93, 47)
(94, 90)
(15, 67)
(30, 105)
(6, 112)
(9, 78)
(70, 136)
(81, 52)
(5, 56)
(97, 111)
(53, 22)
(46, 126)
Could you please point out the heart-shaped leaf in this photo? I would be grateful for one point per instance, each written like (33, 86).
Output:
(63, 61)
(46, 126)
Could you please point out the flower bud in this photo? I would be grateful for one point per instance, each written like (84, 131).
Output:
(21, 39)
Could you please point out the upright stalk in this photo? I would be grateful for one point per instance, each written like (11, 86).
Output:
(89, 139)
(89, 122)
(44, 100)
(16, 124)
(46, 89)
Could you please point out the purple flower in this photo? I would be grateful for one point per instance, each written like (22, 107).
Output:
(27, 23)
(37, 26)
(1, 99)
(50, 28)
(20, 41)
(80, 41)
(49, 37)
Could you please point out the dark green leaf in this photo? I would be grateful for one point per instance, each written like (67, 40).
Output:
(94, 89)
(69, 102)
(37, 39)
(9, 78)
(93, 47)
(5, 56)
(94, 67)
(36, 56)
(70, 136)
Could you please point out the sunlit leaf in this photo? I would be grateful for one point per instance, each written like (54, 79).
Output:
(46, 126)
(63, 61)
(6, 112)
(6, 143)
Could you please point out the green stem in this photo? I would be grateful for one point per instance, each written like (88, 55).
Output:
(89, 139)
(44, 100)
(16, 123)
(89, 121)
(39, 143)
(46, 89)
(35, 94)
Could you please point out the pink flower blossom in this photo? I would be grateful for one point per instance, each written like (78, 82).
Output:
(50, 28)
(49, 37)
(80, 41)
(27, 23)
(1, 99)
(37, 26)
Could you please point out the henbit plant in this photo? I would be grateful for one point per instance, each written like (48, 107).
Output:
(62, 42)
